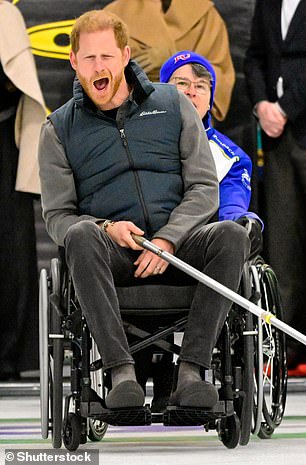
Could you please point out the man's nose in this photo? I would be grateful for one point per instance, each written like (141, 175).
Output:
(99, 65)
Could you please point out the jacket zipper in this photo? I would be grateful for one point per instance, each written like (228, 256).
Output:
(137, 181)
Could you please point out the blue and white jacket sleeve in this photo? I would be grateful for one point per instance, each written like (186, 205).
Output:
(234, 170)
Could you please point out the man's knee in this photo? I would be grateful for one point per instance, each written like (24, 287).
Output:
(232, 230)
(233, 238)
(80, 234)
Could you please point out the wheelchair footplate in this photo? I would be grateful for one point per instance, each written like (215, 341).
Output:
(133, 416)
(195, 416)
(142, 416)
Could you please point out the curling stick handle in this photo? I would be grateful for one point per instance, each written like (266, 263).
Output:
(138, 239)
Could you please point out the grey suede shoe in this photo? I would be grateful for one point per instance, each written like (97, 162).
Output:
(126, 394)
(195, 394)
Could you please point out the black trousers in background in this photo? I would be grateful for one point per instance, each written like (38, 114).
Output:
(285, 225)
(96, 264)
(18, 266)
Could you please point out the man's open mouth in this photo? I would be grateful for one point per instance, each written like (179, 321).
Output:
(100, 84)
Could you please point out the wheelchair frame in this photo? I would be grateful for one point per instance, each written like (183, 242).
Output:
(243, 365)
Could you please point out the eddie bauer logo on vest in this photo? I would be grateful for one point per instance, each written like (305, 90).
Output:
(153, 112)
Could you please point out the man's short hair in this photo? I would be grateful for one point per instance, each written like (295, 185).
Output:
(99, 20)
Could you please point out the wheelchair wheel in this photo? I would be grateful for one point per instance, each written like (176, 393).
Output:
(270, 358)
(229, 431)
(246, 400)
(43, 352)
(56, 357)
(72, 431)
(243, 358)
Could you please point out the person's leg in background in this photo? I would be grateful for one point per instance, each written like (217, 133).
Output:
(18, 267)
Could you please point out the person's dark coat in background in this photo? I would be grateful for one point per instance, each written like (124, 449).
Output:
(274, 54)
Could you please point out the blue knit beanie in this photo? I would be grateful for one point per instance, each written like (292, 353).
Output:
(183, 58)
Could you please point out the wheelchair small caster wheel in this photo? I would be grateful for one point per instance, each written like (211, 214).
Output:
(265, 431)
(229, 431)
(96, 429)
(72, 431)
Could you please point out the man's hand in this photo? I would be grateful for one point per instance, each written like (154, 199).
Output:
(121, 231)
(271, 119)
(149, 263)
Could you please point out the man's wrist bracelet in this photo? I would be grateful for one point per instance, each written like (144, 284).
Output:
(106, 224)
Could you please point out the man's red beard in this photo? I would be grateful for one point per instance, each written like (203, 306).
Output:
(101, 89)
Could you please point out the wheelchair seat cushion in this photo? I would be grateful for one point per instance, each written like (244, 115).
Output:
(157, 296)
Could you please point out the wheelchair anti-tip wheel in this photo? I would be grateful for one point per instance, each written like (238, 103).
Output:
(270, 356)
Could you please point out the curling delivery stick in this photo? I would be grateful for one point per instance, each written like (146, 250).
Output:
(268, 317)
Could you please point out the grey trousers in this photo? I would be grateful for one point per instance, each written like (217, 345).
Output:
(97, 265)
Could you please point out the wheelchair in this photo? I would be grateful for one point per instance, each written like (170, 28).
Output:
(248, 364)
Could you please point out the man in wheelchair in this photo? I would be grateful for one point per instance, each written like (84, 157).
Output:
(128, 156)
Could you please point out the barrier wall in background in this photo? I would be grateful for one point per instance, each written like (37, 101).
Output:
(49, 24)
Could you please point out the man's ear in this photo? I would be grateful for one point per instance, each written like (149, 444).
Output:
(73, 60)
(126, 54)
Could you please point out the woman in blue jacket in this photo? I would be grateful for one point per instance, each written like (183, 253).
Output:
(195, 76)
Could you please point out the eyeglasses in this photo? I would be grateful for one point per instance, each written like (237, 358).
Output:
(201, 87)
